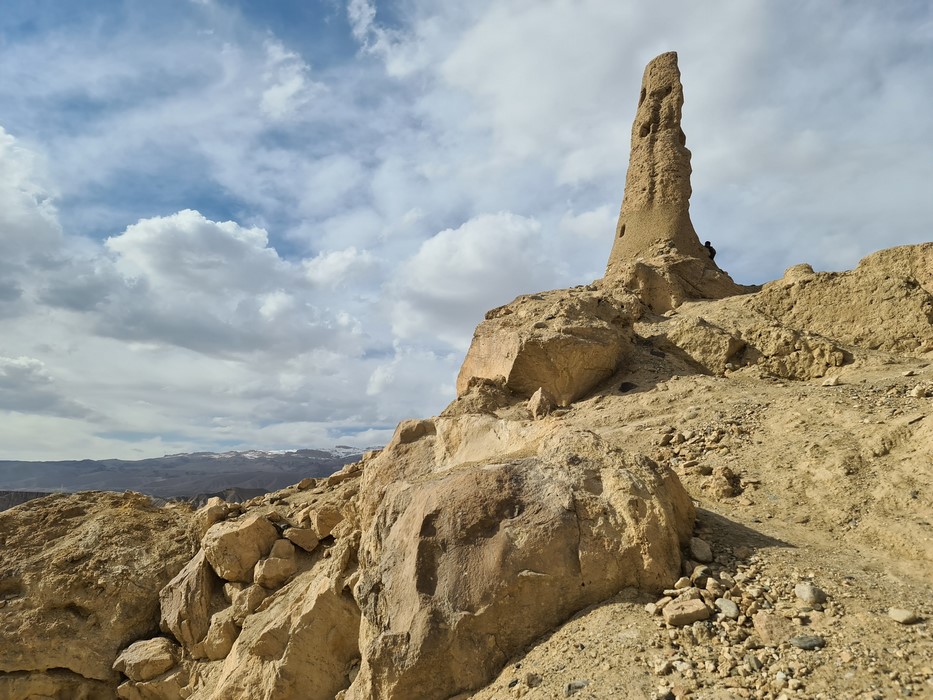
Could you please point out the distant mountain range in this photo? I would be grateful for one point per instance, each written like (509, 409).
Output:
(173, 476)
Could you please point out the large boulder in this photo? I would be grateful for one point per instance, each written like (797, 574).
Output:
(566, 342)
(80, 576)
(186, 601)
(301, 647)
(463, 564)
(234, 546)
(147, 659)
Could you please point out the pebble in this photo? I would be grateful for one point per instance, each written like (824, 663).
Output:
(809, 593)
(808, 642)
(700, 550)
(575, 686)
(904, 617)
(684, 612)
(727, 608)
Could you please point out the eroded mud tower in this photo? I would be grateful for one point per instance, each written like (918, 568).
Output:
(656, 250)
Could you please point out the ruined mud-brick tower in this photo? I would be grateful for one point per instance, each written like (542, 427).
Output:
(656, 248)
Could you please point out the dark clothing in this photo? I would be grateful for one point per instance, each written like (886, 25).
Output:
(711, 250)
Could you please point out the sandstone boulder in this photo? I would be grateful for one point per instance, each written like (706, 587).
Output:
(750, 339)
(215, 510)
(82, 567)
(300, 647)
(302, 537)
(272, 572)
(147, 659)
(220, 635)
(185, 602)
(324, 519)
(540, 404)
(234, 546)
(168, 686)
(246, 602)
(563, 342)
(542, 536)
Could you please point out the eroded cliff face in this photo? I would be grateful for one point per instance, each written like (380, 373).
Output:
(549, 485)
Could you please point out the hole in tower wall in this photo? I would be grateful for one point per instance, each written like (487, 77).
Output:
(621, 230)
(641, 98)
(645, 129)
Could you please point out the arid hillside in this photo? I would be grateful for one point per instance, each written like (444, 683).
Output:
(659, 485)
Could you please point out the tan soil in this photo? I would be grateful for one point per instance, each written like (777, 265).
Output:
(834, 486)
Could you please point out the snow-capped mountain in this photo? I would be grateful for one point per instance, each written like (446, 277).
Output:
(178, 475)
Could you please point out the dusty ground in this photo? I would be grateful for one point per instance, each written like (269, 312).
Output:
(826, 481)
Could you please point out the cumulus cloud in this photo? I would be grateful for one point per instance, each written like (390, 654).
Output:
(445, 288)
(339, 267)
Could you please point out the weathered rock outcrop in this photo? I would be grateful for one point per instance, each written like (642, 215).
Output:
(656, 251)
(79, 581)
(806, 324)
(565, 342)
(886, 303)
(462, 564)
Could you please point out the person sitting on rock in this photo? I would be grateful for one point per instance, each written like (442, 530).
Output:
(710, 249)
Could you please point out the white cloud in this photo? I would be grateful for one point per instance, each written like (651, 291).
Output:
(288, 86)
(592, 224)
(339, 267)
(27, 387)
(456, 275)
(28, 219)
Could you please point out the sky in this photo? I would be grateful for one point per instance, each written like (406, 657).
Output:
(274, 224)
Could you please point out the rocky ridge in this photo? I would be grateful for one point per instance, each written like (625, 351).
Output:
(662, 485)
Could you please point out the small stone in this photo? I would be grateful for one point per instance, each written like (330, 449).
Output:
(742, 552)
(541, 403)
(700, 574)
(575, 686)
(303, 537)
(831, 381)
(728, 608)
(682, 582)
(902, 616)
(772, 629)
(143, 661)
(700, 550)
(273, 572)
(684, 612)
(808, 642)
(533, 680)
(809, 593)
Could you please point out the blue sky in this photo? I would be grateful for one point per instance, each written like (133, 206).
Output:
(275, 224)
